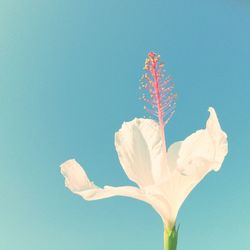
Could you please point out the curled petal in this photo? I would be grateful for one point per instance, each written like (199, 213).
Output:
(77, 181)
(190, 160)
(75, 177)
(204, 149)
(139, 147)
(219, 139)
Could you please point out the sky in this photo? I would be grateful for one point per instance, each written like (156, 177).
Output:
(69, 77)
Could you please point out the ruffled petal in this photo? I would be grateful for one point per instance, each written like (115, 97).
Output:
(78, 182)
(76, 179)
(204, 149)
(219, 139)
(139, 147)
(190, 160)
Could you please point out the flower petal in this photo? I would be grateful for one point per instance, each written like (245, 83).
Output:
(139, 147)
(192, 159)
(77, 181)
(172, 155)
(205, 148)
(219, 139)
(75, 177)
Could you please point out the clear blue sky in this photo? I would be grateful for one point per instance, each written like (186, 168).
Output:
(69, 73)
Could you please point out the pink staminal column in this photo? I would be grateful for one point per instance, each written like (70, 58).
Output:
(159, 93)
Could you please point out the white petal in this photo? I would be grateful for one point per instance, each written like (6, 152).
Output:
(219, 139)
(204, 149)
(192, 159)
(77, 181)
(195, 151)
(75, 177)
(139, 147)
(172, 155)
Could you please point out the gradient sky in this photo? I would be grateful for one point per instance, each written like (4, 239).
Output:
(69, 77)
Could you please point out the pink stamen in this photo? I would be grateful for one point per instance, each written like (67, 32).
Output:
(159, 92)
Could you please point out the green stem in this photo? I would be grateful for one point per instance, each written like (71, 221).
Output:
(170, 238)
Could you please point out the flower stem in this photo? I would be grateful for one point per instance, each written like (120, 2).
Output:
(170, 238)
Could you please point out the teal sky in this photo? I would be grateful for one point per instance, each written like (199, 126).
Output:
(69, 77)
